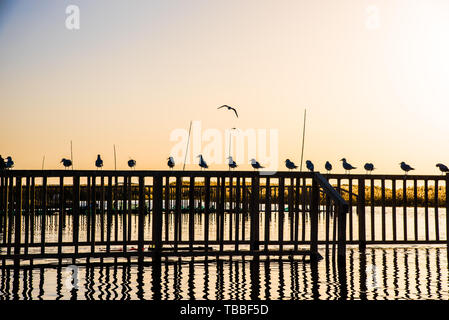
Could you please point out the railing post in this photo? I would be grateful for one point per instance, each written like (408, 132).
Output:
(314, 210)
(254, 213)
(76, 211)
(361, 214)
(157, 215)
(141, 219)
(18, 221)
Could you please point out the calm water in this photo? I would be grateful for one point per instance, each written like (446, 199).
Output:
(382, 272)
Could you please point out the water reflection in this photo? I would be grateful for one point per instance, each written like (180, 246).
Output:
(379, 273)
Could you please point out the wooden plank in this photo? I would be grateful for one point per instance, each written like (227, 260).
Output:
(393, 208)
(267, 212)
(76, 211)
(141, 219)
(102, 195)
(109, 214)
(415, 204)
(88, 211)
(281, 209)
(291, 209)
(18, 220)
(314, 211)
(61, 214)
(373, 214)
(237, 213)
(32, 208)
(167, 206)
(230, 211)
(43, 213)
(351, 231)
(383, 210)
(303, 207)
(129, 197)
(222, 210)
(297, 198)
(361, 214)
(191, 212)
(245, 207)
(437, 224)
(426, 208)
(94, 214)
(157, 214)
(177, 226)
(26, 204)
(254, 213)
(206, 210)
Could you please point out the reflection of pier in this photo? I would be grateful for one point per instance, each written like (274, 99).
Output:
(160, 200)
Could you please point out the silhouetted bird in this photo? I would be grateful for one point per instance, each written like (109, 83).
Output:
(132, 163)
(229, 108)
(9, 163)
(309, 165)
(171, 162)
(231, 163)
(328, 166)
(256, 165)
(369, 167)
(99, 162)
(347, 166)
(290, 165)
(442, 168)
(2, 163)
(406, 167)
(202, 163)
(66, 162)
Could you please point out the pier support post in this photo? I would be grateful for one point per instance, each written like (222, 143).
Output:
(314, 210)
(361, 214)
(157, 216)
(254, 213)
(140, 228)
(18, 221)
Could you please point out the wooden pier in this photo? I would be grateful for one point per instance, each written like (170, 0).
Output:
(147, 215)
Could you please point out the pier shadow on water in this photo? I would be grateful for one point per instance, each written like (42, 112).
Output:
(378, 274)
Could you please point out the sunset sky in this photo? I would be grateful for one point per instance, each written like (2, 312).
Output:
(373, 75)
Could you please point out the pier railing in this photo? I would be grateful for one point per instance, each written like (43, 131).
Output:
(149, 214)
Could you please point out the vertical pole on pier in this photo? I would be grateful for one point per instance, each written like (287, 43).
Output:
(18, 221)
(61, 213)
(141, 230)
(206, 211)
(6, 210)
(32, 208)
(267, 213)
(124, 211)
(178, 199)
(281, 210)
(254, 213)
(44, 213)
(2, 212)
(361, 213)
(314, 211)
(109, 215)
(237, 212)
(27, 214)
(157, 216)
(76, 211)
(10, 212)
(222, 211)
(191, 212)
(94, 213)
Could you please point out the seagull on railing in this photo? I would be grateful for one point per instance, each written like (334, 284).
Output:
(256, 165)
(229, 108)
(406, 167)
(9, 163)
(171, 162)
(328, 167)
(290, 165)
(132, 163)
(347, 166)
(369, 167)
(99, 162)
(231, 163)
(66, 162)
(309, 165)
(202, 163)
(2, 163)
(442, 168)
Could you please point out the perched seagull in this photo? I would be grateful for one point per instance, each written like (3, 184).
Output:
(231, 163)
(66, 162)
(309, 165)
(229, 108)
(99, 162)
(442, 167)
(255, 164)
(406, 167)
(132, 163)
(171, 162)
(9, 163)
(328, 166)
(2, 163)
(347, 166)
(290, 165)
(369, 167)
(202, 163)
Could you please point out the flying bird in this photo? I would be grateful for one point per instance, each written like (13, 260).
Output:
(202, 163)
(347, 166)
(309, 165)
(328, 166)
(66, 162)
(171, 162)
(231, 163)
(290, 165)
(406, 167)
(369, 167)
(99, 162)
(9, 163)
(132, 163)
(255, 164)
(442, 167)
(229, 108)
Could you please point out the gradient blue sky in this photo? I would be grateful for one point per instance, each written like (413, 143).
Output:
(137, 70)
